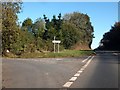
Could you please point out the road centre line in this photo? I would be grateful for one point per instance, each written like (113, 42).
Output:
(86, 59)
(83, 68)
(70, 82)
(73, 79)
(77, 74)
(80, 71)
(59, 59)
(115, 53)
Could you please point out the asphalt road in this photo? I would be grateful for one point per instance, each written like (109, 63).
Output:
(100, 71)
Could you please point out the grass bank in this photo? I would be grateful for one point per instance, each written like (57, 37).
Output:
(66, 53)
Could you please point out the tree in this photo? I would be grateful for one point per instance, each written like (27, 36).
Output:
(38, 31)
(111, 39)
(38, 27)
(26, 42)
(10, 29)
(56, 25)
(70, 35)
(27, 23)
(82, 23)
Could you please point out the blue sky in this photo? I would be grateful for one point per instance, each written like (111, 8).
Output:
(102, 14)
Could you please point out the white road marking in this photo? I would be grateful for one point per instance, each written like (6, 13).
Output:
(80, 71)
(84, 66)
(58, 59)
(115, 53)
(73, 79)
(86, 59)
(77, 74)
(89, 61)
(68, 84)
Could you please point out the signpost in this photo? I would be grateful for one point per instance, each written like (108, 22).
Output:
(56, 42)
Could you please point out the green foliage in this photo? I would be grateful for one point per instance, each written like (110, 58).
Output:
(70, 35)
(37, 37)
(26, 41)
(82, 29)
(65, 53)
(10, 29)
(38, 28)
(27, 22)
(111, 39)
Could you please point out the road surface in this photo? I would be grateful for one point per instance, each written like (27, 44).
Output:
(100, 71)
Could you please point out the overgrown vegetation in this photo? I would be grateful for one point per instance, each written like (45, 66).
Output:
(72, 29)
(111, 39)
(65, 53)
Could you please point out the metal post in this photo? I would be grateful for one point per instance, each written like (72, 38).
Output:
(54, 44)
(58, 47)
(54, 47)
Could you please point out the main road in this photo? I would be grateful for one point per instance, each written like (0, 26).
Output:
(99, 71)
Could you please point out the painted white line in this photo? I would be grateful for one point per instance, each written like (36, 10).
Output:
(86, 59)
(83, 68)
(58, 59)
(80, 71)
(115, 53)
(68, 84)
(89, 61)
(77, 75)
(73, 79)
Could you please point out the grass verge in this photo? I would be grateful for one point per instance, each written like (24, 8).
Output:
(66, 53)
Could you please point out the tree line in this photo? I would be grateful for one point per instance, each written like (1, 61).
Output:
(73, 29)
(111, 39)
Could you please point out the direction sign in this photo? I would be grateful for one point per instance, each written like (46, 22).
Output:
(56, 41)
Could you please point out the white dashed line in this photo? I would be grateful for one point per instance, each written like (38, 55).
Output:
(80, 71)
(73, 79)
(115, 53)
(68, 84)
(84, 66)
(77, 74)
(58, 59)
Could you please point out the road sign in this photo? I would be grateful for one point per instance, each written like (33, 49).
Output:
(56, 41)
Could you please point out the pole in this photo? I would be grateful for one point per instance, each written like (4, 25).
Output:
(58, 47)
(54, 47)
(54, 37)
(54, 44)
